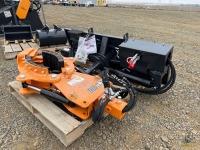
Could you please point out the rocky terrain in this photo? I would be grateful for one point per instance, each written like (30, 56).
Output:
(161, 122)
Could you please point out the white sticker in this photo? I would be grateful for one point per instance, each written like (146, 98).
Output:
(81, 55)
(75, 80)
(85, 47)
(90, 45)
(7, 14)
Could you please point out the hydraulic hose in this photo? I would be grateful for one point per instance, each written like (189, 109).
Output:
(98, 112)
(132, 93)
(166, 87)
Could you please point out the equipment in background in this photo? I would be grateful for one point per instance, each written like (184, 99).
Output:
(142, 62)
(20, 13)
(83, 95)
(17, 33)
(47, 37)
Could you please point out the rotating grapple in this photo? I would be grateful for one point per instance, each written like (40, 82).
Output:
(55, 77)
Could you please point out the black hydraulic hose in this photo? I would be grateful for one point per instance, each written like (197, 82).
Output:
(134, 78)
(13, 10)
(166, 87)
(132, 101)
(98, 113)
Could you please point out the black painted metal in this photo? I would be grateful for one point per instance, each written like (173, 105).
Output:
(47, 37)
(53, 61)
(32, 18)
(17, 32)
(151, 70)
(153, 57)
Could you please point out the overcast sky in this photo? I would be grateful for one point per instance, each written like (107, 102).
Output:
(156, 1)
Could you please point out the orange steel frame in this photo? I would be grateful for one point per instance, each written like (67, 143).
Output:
(73, 85)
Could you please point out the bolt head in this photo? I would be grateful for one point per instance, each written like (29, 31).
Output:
(53, 76)
(68, 69)
(119, 97)
(22, 76)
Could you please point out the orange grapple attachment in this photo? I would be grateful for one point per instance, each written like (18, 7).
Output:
(83, 90)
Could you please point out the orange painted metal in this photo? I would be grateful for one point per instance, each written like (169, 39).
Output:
(23, 8)
(75, 86)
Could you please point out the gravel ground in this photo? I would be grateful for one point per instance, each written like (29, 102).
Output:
(167, 121)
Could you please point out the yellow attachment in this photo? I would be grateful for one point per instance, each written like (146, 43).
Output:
(23, 9)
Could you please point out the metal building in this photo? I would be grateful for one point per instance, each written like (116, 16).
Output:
(87, 2)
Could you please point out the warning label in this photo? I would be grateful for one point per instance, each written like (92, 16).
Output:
(75, 80)
(7, 14)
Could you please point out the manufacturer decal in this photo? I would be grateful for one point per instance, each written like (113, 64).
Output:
(75, 80)
(94, 87)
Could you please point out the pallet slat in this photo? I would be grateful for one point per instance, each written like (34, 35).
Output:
(64, 126)
(24, 45)
(11, 50)
(33, 45)
(8, 52)
(8, 48)
(16, 47)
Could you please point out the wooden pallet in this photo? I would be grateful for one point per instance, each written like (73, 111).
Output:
(12, 50)
(65, 127)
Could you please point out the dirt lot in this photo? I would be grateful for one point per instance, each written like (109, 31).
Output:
(167, 121)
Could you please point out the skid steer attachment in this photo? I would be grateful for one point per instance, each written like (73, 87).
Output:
(17, 32)
(20, 13)
(84, 95)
